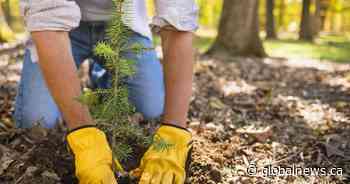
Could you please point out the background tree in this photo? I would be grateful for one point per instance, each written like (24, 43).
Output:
(270, 20)
(306, 32)
(317, 18)
(13, 15)
(324, 5)
(6, 34)
(10, 20)
(238, 33)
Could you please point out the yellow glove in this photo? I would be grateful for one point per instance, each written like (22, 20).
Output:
(93, 156)
(166, 166)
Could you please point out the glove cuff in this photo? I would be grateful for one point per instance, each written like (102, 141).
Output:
(175, 134)
(175, 126)
(81, 127)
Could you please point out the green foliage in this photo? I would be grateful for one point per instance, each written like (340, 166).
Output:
(331, 48)
(209, 13)
(160, 144)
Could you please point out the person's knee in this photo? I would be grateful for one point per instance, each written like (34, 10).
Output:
(27, 119)
(152, 109)
(152, 112)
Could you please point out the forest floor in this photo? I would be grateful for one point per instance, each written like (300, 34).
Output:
(247, 115)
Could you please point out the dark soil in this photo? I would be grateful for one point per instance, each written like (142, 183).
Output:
(267, 112)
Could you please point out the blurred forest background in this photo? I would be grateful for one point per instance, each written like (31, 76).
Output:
(318, 29)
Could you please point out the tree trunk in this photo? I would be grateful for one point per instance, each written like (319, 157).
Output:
(270, 20)
(281, 16)
(306, 32)
(238, 33)
(325, 4)
(317, 18)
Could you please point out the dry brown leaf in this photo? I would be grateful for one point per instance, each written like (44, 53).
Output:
(216, 103)
(5, 159)
(260, 134)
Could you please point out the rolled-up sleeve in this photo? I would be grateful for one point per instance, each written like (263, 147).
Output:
(54, 15)
(180, 14)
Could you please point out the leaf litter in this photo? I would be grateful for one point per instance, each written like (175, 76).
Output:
(243, 111)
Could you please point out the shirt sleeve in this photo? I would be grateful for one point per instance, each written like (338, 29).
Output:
(54, 15)
(180, 14)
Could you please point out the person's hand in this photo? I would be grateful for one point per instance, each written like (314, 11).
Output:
(93, 156)
(169, 165)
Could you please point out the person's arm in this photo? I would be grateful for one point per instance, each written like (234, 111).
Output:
(59, 71)
(170, 166)
(49, 22)
(176, 22)
(93, 156)
(178, 71)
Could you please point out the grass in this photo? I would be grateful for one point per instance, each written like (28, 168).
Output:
(201, 43)
(329, 48)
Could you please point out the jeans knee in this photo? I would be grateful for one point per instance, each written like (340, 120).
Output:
(152, 113)
(152, 110)
(26, 119)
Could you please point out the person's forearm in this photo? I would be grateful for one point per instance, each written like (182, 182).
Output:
(178, 72)
(59, 71)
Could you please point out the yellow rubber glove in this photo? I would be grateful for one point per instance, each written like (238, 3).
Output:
(166, 166)
(93, 156)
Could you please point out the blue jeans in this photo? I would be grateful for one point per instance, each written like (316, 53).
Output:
(34, 103)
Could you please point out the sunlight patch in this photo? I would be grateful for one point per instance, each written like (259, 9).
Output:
(314, 113)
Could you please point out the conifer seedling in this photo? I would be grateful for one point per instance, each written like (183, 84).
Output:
(110, 107)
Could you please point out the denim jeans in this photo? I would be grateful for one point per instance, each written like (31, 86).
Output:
(146, 88)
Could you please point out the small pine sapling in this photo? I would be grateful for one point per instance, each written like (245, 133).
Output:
(110, 107)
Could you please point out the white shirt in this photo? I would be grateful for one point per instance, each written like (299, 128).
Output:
(66, 14)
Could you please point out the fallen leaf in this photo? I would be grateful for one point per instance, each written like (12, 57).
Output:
(50, 175)
(216, 103)
(5, 159)
(260, 134)
(331, 150)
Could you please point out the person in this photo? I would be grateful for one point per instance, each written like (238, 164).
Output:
(64, 33)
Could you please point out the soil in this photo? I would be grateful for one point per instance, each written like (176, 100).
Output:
(244, 112)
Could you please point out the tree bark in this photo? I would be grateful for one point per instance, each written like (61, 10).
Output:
(325, 4)
(270, 20)
(317, 18)
(238, 33)
(306, 32)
